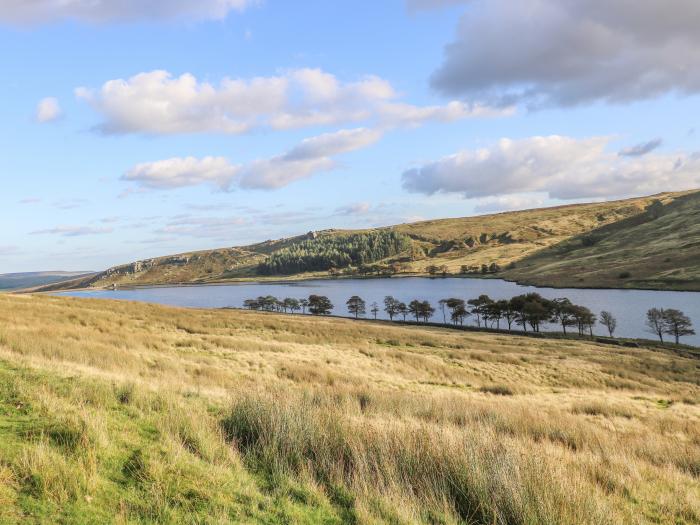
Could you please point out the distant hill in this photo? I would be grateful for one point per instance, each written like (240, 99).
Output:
(15, 281)
(657, 249)
(548, 246)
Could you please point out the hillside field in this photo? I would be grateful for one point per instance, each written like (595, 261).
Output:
(116, 412)
(654, 239)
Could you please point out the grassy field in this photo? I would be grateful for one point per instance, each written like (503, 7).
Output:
(116, 412)
(527, 239)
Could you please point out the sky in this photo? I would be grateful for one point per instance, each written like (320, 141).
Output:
(136, 129)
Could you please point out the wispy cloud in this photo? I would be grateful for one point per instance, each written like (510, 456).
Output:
(639, 150)
(46, 11)
(358, 208)
(48, 110)
(73, 231)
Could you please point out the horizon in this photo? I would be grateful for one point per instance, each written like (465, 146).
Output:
(135, 133)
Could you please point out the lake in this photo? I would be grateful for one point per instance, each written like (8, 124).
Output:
(629, 306)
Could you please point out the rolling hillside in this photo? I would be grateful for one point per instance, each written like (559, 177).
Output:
(457, 246)
(658, 249)
(15, 281)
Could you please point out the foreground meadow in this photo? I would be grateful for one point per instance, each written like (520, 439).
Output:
(131, 413)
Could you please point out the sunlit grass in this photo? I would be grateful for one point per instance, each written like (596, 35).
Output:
(128, 413)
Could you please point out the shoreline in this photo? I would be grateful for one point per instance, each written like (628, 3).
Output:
(283, 280)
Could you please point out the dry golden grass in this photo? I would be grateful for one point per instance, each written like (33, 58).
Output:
(339, 421)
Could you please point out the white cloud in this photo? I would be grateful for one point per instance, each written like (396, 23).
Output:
(210, 227)
(157, 103)
(48, 110)
(566, 52)
(359, 208)
(507, 203)
(562, 167)
(311, 156)
(101, 11)
(73, 231)
(180, 172)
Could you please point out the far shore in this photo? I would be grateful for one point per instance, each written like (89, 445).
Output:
(320, 277)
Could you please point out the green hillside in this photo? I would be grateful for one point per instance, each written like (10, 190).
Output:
(658, 249)
(541, 245)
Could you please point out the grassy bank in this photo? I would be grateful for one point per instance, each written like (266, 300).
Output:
(134, 413)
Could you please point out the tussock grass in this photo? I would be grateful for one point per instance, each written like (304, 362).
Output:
(131, 413)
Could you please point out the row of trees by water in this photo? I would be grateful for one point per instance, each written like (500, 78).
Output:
(528, 312)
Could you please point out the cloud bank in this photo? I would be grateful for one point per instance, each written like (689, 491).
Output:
(562, 167)
(157, 103)
(568, 52)
(102, 11)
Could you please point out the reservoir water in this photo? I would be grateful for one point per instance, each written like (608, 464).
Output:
(629, 306)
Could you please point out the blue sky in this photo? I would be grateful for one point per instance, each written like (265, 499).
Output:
(299, 116)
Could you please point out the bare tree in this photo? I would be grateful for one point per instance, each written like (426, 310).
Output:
(608, 321)
(375, 309)
(443, 304)
(655, 322)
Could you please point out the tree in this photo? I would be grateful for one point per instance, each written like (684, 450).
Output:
(320, 305)
(375, 309)
(532, 309)
(304, 303)
(356, 306)
(443, 303)
(267, 303)
(432, 269)
(677, 324)
(459, 313)
(608, 321)
(426, 310)
(402, 309)
(414, 307)
(508, 312)
(334, 252)
(479, 307)
(291, 304)
(655, 322)
(493, 312)
(391, 306)
(251, 304)
(454, 304)
(562, 312)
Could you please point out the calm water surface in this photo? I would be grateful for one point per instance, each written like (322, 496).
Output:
(629, 306)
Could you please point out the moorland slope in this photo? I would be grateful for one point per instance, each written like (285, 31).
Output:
(657, 249)
(517, 245)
